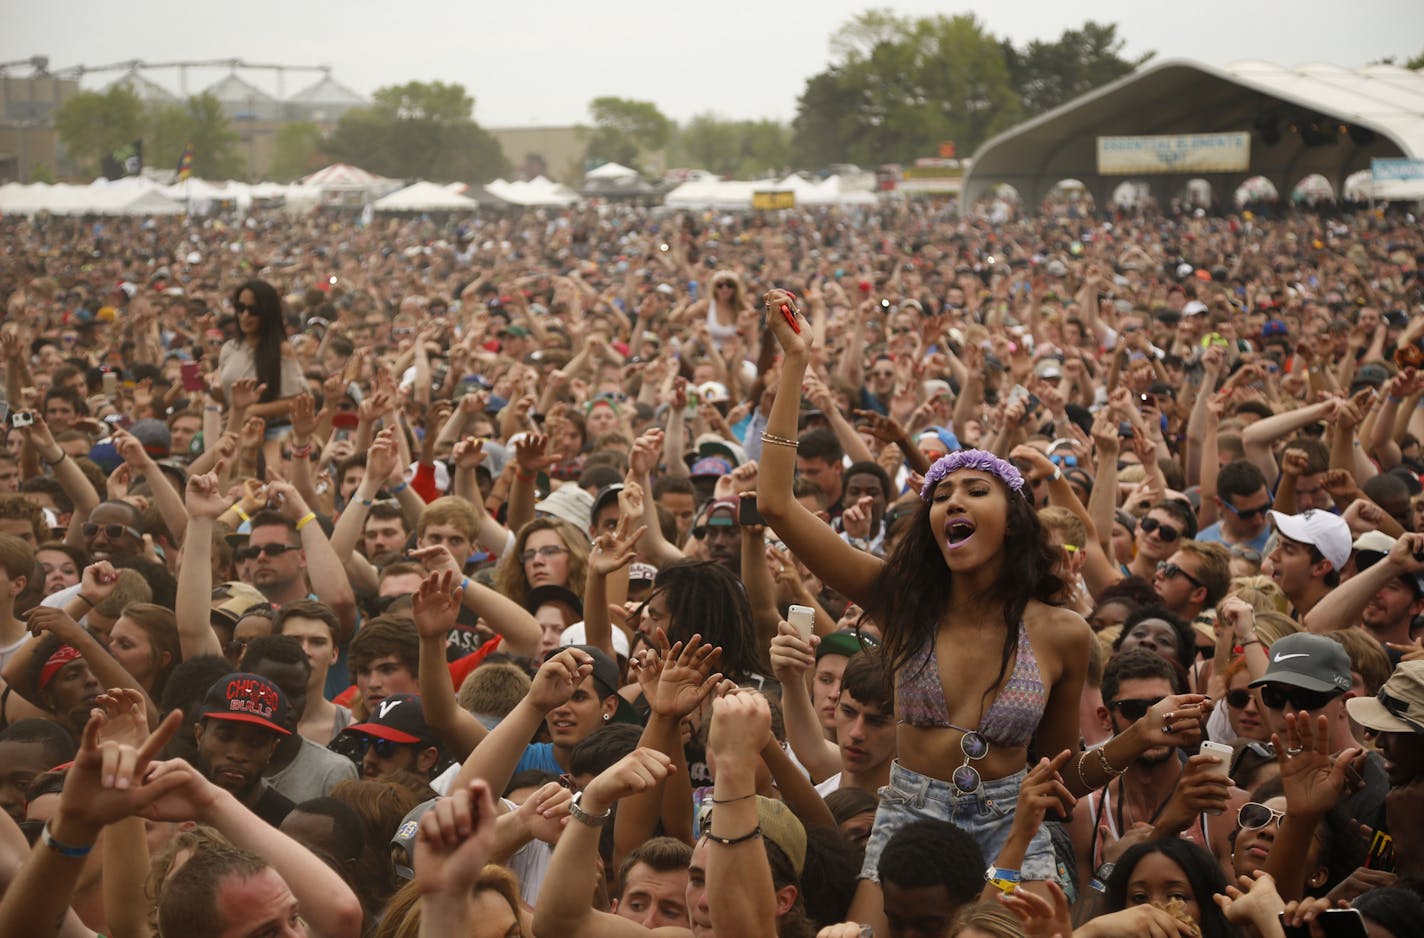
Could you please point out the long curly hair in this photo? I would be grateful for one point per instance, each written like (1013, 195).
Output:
(705, 598)
(509, 576)
(917, 587)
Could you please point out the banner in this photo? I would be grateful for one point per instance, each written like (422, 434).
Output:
(772, 201)
(185, 163)
(1400, 170)
(1174, 153)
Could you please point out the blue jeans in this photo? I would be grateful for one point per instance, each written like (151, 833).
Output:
(985, 815)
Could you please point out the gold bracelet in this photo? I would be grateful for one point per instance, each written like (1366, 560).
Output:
(1082, 779)
(1107, 766)
(779, 440)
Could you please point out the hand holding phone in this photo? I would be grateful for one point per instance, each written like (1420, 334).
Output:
(803, 619)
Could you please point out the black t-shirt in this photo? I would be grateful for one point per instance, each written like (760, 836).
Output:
(271, 805)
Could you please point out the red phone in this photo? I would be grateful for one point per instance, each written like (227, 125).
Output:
(192, 376)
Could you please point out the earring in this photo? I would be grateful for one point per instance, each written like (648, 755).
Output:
(607, 717)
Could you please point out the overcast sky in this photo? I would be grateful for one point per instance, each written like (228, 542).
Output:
(539, 62)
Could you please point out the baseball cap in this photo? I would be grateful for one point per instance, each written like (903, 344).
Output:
(845, 642)
(642, 573)
(237, 597)
(1399, 705)
(244, 697)
(605, 495)
(605, 676)
(405, 838)
(1274, 327)
(154, 436)
(1195, 307)
(730, 505)
(710, 466)
(577, 634)
(570, 503)
(1048, 369)
(712, 392)
(1327, 533)
(1308, 661)
(714, 444)
(549, 593)
(397, 718)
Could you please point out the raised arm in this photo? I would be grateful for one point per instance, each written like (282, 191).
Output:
(641, 461)
(435, 606)
(736, 858)
(70, 477)
(519, 629)
(792, 661)
(165, 496)
(494, 759)
(852, 572)
(1258, 437)
(380, 464)
(205, 503)
(454, 842)
(328, 576)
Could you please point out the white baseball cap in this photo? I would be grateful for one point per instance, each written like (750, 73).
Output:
(1326, 532)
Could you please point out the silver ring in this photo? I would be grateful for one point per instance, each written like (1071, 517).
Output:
(1295, 752)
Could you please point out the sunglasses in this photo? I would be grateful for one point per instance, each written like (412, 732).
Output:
(250, 552)
(383, 748)
(1165, 531)
(245, 307)
(1252, 816)
(1238, 699)
(1247, 554)
(1246, 514)
(1171, 570)
(901, 330)
(1134, 708)
(1276, 696)
(112, 531)
(966, 778)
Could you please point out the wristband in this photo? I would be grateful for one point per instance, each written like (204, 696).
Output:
(237, 509)
(399, 488)
(301, 452)
(524, 477)
(367, 502)
(61, 458)
(465, 584)
(732, 800)
(64, 850)
(306, 519)
(1006, 881)
(733, 841)
(84, 599)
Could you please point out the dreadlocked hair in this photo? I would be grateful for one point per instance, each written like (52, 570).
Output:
(705, 598)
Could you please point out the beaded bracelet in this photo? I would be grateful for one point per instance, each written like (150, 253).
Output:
(1107, 766)
(733, 841)
(779, 440)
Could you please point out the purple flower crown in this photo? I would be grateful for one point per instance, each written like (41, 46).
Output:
(971, 459)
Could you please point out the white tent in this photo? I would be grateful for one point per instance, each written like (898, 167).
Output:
(425, 197)
(536, 192)
(611, 171)
(341, 176)
(709, 192)
(65, 199)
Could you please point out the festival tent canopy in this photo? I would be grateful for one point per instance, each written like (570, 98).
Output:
(65, 199)
(611, 171)
(425, 197)
(341, 176)
(538, 191)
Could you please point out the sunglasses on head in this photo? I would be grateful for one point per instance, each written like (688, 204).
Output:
(1134, 708)
(1276, 696)
(1252, 816)
(1238, 699)
(1246, 514)
(1246, 553)
(251, 551)
(1165, 531)
(112, 531)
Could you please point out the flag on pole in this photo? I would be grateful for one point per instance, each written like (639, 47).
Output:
(185, 162)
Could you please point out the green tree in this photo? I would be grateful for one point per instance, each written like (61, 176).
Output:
(1047, 74)
(41, 173)
(1416, 63)
(625, 129)
(199, 121)
(298, 150)
(93, 124)
(419, 130)
(743, 149)
(897, 87)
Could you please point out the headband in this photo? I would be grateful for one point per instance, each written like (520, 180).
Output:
(971, 459)
(56, 662)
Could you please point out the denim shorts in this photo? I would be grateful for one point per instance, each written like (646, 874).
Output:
(986, 815)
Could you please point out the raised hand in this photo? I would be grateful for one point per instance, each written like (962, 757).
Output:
(530, 453)
(244, 393)
(383, 457)
(638, 771)
(791, 655)
(614, 551)
(437, 558)
(558, 677)
(1040, 917)
(254, 431)
(436, 604)
(793, 339)
(685, 676)
(1251, 901)
(1313, 781)
(1176, 720)
(1294, 462)
(545, 813)
(646, 452)
(1039, 465)
(284, 497)
(107, 783)
(856, 518)
(741, 726)
(204, 497)
(303, 417)
(468, 453)
(454, 841)
(97, 582)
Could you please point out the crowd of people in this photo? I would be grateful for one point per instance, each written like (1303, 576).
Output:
(612, 572)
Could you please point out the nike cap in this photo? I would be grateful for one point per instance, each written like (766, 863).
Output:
(1312, 662)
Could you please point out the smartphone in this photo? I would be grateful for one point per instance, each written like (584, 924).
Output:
(1334, 923)
(111, 384)
(803, 619)
(1222, 752)
(192, 376)
(1147, 400)
(749, 513)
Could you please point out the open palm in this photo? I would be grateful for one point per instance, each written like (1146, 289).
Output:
(686, 678)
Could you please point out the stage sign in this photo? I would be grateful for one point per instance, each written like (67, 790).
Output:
(1174, 153)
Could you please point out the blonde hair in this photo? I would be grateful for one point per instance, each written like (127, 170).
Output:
(509, 576)
(989, 918)
(1068, 526)
(1367, 658)
(401, 918)
(1261, 593)
(1272, 626)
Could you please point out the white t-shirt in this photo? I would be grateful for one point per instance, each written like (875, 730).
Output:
(8, 651)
